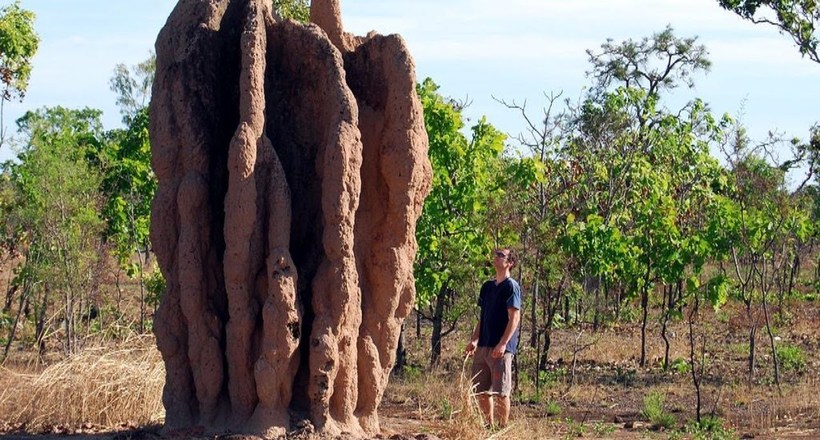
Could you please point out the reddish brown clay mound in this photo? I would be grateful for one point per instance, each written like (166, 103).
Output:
(292, 168)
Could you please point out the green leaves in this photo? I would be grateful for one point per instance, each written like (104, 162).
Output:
(298, 10)
(58, 196)
(797, 18)
(467, 176)
(18, 45)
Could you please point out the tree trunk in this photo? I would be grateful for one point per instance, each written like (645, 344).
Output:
(752, 337)
(438, 322)
(13, 329)
(10, 291)
(401, 353)
(644, 315)
(667, 301)
(533, 313)
(696, 377)
(278, 154)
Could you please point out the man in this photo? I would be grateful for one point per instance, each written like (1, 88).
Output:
(495, 339)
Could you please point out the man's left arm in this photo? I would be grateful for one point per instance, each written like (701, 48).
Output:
(513, 318)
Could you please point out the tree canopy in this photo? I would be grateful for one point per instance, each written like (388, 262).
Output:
(798, 19)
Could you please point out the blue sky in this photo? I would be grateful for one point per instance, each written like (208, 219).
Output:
(474, 49)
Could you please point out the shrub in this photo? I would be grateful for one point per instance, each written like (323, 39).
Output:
(654, 412)
(552, 408)
(710, 428)
(791, 357)
(680, 366)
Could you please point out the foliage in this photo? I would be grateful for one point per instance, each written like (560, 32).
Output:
(57, 214)
(791, 358)
(298, 10)
(450, 230)
(155, 285)
(452, 239)
(129, 183)
(680, 366)
(653, 411)
(602, 429)
(18, 45)
(133, 86)
(129, 186)
(552, 408)
(710, 428)
(654, 64)
(800, 19)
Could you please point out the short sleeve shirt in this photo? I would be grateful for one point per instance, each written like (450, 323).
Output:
(494, 300)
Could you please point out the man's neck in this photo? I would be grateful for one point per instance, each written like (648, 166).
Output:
(500, 277)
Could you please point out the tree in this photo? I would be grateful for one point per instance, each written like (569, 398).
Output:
(129, 183)
(18, 45)
(638, 165)
(452, 240)
(798, 19)
(128, 186)
(58, 214)
(298, 10)
(133, 86)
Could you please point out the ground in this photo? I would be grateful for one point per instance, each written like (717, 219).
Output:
(599, 395)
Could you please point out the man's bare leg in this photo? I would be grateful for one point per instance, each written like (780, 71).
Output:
(502, 408)
(486, 407)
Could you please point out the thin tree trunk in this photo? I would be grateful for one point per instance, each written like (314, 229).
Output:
(438, 317)
(667, 301)
(533, 310)
(10, 291)
(696, 378)
(13, 330)
(645, 313)
(401, 353)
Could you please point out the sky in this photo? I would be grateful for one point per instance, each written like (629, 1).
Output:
(476, 50)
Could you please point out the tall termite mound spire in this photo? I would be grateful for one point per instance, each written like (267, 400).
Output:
(292, 167)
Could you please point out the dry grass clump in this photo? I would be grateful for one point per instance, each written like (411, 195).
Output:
(102, 386)
(465, 420)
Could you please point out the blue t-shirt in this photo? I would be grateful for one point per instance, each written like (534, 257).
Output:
(494, 301)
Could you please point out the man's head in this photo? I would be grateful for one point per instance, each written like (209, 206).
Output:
(504, 258)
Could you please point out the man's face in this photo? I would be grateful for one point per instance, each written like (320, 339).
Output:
(501, 259)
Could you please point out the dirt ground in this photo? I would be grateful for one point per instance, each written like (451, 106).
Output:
(599, 395)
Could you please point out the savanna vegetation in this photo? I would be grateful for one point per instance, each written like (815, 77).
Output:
(669, 261)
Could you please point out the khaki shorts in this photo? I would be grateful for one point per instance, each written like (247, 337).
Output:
(491, 375)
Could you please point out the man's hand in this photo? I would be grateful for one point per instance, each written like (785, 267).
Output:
(471, 347)
(498, 351)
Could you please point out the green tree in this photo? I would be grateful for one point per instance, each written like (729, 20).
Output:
(298, 10)
(133, 86)
(129, 183)
(128, 186)
(537, 195)
(58, 214)
(18, 45)
(798, 19)
(637, 166)
(453, 244)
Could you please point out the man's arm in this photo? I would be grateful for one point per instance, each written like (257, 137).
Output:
(513, 318)
(471, 346)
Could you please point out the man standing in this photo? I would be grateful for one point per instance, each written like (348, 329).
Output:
(495, 339)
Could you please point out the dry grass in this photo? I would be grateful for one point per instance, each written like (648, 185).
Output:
(102, 386)
(466, 421)
(768, 410)
(442, 403)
